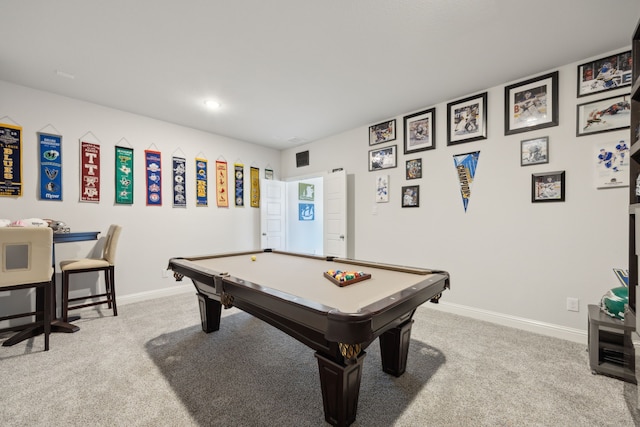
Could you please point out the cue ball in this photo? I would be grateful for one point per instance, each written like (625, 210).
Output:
(253, 258)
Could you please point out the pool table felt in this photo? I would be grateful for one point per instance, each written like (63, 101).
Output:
(304, 277)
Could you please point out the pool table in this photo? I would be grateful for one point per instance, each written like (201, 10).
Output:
(291, 292)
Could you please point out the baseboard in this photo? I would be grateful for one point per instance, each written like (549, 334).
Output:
(158, 293)
(548, 329)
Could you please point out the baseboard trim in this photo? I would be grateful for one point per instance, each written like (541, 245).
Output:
(158, 293)
(548, 329)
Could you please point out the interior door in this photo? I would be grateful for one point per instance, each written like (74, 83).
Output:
(335, 214)
(272, 214)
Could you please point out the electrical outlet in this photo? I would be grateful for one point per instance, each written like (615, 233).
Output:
(573, 304)
(165, 273)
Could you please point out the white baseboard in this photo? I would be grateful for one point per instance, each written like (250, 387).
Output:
(562, 332)
(158, 293)
(549, 329)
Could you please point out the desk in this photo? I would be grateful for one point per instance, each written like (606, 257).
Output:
(57, 325)
(290, 292)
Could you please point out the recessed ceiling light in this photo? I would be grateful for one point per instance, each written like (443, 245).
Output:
(212, 104)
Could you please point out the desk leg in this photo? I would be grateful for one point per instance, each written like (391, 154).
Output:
(394, 348)
(340, 389)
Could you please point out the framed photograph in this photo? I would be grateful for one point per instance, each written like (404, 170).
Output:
(534, 151)
(268, 174)
(547, 187)
(383, 158)
(414, 169)
(411, 196)
(420, 131)
(611, 163)
(467, 119)
(603, 115)
(382, 132)
(531, 104)
(601, 75)
(382, 189)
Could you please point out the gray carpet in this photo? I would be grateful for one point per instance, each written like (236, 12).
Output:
(153, 366)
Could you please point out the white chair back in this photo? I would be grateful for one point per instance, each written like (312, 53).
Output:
(113, 235)
(25, 255)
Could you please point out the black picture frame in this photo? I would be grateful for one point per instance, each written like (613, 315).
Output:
(382, 132)
(411, 196)
(467, 119)
(531, 104)
(420, 131)
(413, 169)
(603, 115)
(548, 187)
(383, 158)
(534, 151)
(605, 74)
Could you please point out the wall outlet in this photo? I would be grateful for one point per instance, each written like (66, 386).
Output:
(165, 273)
(573, 304)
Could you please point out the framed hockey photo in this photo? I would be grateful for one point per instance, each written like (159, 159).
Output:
(411, 196)
(382, 132)
(383, 158)
(547, 187)
(467, 119)
(531, 104)
(420, 131)
(603, 115)
(414, 169)
(601, 75)
(534, 151)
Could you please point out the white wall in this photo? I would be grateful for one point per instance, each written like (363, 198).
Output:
(151, 235)
(508, 258)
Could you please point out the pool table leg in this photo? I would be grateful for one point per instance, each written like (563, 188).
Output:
(210, 311)
(394, 348)
(340, 385)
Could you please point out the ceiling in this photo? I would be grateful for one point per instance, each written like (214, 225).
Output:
(288, 72)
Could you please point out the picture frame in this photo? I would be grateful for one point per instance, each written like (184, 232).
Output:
(467, 119)
(382, 132)
(420, 131)
(413, 169)
(611, 163)
(383, 158)
(534, 151)
(548, 187)
(382, 189)
(531, 104)
(603, 115)
(604, 74)
(411, 196)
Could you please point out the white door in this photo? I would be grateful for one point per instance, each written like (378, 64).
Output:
(272, 214)
(335, 214)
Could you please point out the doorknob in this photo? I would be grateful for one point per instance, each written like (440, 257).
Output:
(342, 237)
(264, 234)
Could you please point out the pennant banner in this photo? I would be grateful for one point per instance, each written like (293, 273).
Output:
(255, 187)
(179, 166)
(124, 175)
(90, 172)
(153, 161)
(11, 145)
(466, 166)
(221, 184)
(202, 189)
(50, 166)
(239, 177)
